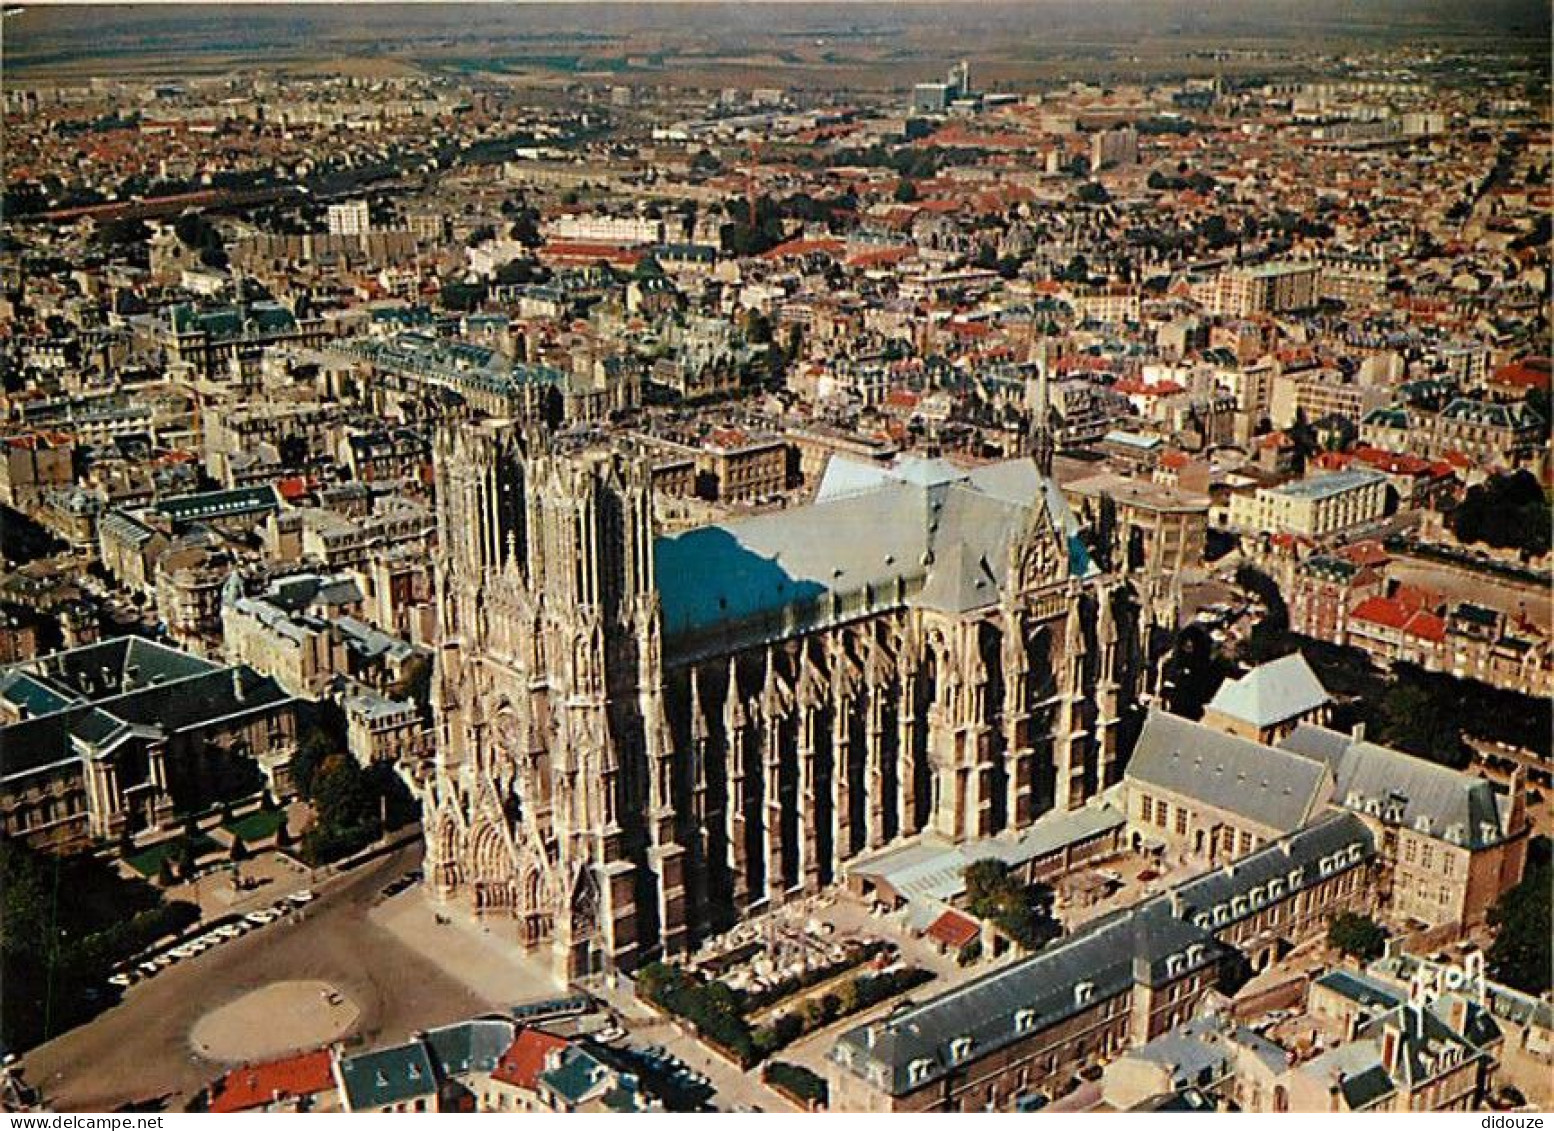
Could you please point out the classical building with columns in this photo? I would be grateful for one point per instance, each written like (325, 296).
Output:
(124, 735)
(644, 738)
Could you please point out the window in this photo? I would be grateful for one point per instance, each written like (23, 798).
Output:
(1181, 821)
(1162, 814)
(1146, 808)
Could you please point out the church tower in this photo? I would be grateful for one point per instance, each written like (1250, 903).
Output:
(542, 805)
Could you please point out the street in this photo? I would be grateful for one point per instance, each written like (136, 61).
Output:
(139, 1050)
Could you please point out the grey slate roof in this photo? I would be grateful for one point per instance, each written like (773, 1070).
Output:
(1140, 943)
(1366, 1078)
(1401, 789)
(1271, 693)
(1361, 989)
(470, 1046)
(218, 504)
(1319, 743)
(1271, 787)
(918, 1046)
(1191, 1053)
(923, 533)
(933, 870)
(1328, 846)
(154, 690)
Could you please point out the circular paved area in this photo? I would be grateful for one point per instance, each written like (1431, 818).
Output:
(280, 1018)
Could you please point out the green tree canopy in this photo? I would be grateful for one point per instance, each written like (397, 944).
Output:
(1521, 954)
(1356, 935)
(1506, 512)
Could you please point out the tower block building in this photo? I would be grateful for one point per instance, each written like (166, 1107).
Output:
(645, 737)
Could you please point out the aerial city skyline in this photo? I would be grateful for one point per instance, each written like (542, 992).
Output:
(776, 557)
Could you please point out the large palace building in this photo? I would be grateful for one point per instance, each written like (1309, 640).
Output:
(645, 736)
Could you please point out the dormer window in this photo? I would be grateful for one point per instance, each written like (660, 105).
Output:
(1024, 1020)
(1083, 992)
(960, 1048)
(918, 1070)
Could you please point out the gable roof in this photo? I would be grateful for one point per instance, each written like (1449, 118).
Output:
(953, 929)
(1401, 789)
(255, 1085)
(1164, 937)
(938, 537)
(1271, 787)
(470, 1046)
(1272, 693)
(525, 1058)
(387, 1076)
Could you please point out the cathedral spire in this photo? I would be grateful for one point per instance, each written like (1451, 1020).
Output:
(1039, 440)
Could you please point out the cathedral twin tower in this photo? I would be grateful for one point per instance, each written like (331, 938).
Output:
(643, 737)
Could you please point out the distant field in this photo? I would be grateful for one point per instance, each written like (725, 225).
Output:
(847, 44)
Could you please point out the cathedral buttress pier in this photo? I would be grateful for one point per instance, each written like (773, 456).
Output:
(646, 738)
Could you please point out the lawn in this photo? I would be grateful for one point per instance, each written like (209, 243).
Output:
(256, 826)
(148, 861)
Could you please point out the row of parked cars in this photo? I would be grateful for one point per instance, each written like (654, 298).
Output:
(399, 884)
(217, 934)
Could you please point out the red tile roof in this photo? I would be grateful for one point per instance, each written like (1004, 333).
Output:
(804, 247)
(1528, 373)
(1367, 553)
(884, 257)
(523, 1062)
(1382, 611)
(954, 930)
(1390, 612)
(582, 251)
(255, 1085)
(1416, 597)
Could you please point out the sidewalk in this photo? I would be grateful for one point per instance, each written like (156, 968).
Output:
(481, 955)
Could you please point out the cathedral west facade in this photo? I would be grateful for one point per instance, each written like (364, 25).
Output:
(645, 737)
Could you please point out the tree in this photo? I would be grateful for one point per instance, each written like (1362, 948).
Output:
(1193, 672)
(1422, 724)
(316, 745)
(122, 233)
(1093, 192)
(1506, 512)
(525, 229)
(996, 894)
(67, 921)
(1358, 936)
(906, 191)
(1520, 955)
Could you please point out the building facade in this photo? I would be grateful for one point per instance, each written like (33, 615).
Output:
(644, 736)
